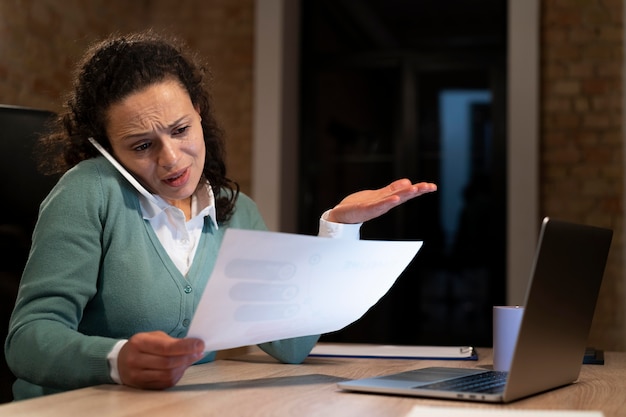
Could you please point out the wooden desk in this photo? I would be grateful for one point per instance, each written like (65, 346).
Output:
(254, 384)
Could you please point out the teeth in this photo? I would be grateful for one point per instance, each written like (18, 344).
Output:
(176, 177)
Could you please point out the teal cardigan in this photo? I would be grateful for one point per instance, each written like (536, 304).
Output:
(97, 273)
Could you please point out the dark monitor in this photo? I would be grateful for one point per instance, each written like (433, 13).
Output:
(22, 187)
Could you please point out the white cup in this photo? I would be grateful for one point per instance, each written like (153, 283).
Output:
(506, 323)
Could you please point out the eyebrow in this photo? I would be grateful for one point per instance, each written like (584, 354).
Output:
(142, 134)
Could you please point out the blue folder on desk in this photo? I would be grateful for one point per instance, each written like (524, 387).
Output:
(359, 350)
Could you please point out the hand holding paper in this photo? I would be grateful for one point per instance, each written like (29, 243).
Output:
(269, 286)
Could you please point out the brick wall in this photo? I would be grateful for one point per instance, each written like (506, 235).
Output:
(581, 171)
(41, 39)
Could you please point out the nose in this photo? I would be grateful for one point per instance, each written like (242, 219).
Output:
(169, 154)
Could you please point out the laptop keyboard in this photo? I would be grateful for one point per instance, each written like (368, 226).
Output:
(490, 382)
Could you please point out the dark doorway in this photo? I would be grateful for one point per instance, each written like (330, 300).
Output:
(415, 89)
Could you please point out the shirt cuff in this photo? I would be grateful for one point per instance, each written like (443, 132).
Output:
(339, 230)
(112, 358)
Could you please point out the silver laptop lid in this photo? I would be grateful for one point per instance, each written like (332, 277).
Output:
(560, 303)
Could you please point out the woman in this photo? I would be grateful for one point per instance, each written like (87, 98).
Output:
(115, 273)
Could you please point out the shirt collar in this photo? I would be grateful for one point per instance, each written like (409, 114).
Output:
(202, 204)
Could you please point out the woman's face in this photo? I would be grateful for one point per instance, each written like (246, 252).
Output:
(156, 134)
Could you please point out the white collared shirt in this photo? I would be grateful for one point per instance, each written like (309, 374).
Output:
(179, 236)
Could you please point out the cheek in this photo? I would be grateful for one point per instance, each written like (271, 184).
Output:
(199, 152)
(141, 169)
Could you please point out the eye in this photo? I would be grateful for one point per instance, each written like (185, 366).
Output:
(142, 147)
(180, 131)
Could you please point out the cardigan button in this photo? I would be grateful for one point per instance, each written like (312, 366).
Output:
(187, 289)
(186, 323)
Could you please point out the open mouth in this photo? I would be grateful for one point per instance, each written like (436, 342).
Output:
(178, 179)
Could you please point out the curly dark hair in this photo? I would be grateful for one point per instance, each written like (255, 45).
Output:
(110, 71)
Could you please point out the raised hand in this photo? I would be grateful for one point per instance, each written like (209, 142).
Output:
(365, 205)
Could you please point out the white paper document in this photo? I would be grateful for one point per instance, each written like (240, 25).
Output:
(269, 286)
(426, 411)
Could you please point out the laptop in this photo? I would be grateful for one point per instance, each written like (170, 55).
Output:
(560, 302)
